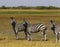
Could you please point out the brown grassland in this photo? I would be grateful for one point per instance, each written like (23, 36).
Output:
(7, 37)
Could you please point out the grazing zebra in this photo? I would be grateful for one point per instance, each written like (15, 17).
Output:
(55, 29)
(18, 27)
(34, 28)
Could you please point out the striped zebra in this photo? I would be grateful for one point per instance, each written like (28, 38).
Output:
(34, 28)
(55, 29)
(18, 27)
(28, 28)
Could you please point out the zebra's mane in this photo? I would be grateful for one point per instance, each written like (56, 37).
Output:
(34, 23)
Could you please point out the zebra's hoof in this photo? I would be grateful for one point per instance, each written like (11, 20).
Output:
(59, 40)
(29, 39)
(46, 40)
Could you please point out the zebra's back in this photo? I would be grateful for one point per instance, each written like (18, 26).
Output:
(19, 27)
(57, 30)
(36, 27)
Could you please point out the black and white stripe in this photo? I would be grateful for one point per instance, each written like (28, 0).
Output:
(34, 28)
(37, 27)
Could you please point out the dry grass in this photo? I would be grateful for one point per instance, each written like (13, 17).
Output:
(24, 43)
(7, 38)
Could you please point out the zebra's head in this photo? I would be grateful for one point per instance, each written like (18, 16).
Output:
(11, 17)
(25, 23)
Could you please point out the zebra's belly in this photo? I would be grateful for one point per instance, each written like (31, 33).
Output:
(20, 30)
(34, 31)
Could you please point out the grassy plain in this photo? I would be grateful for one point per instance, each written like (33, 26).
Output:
(7, 38)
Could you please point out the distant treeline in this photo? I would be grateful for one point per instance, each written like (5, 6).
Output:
(29, 7)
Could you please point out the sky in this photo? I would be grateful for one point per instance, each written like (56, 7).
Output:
(30, 3)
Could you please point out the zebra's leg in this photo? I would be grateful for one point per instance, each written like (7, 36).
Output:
(44, 36)
(54, 31)
(57, 37)
(16, 34)
(29, 36)
(25, 34)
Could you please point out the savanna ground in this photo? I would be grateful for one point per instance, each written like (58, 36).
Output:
(7, 37)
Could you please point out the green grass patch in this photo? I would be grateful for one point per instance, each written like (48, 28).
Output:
(16, 12)
(8, 11)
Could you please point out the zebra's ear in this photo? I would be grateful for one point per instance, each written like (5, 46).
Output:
(11, 17)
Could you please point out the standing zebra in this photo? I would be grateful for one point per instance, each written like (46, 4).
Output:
(55, 29)
(34, 28)
(18, 27)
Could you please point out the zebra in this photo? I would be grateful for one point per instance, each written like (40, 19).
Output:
(28, 28)
(55, 29)
(34, 28)
(18, 27)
